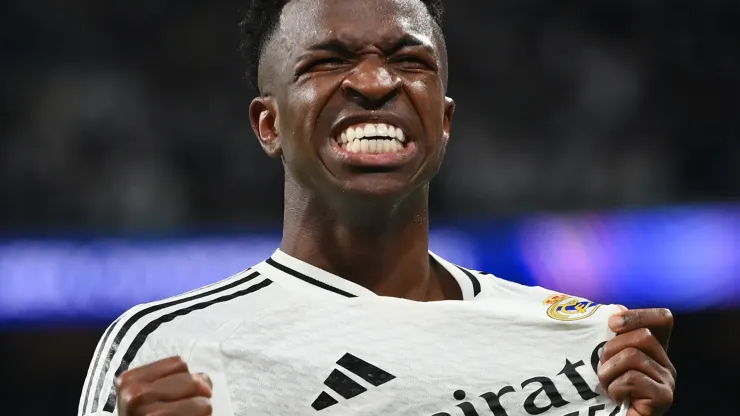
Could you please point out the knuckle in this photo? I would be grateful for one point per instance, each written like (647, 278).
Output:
(667, 397)
(192, 386)
(125, 378)
(608, 349)
(629, 353)
(669, 374)
(177, 362)
(134, 395)
(644, 335)
(631, 377)
(633, 357)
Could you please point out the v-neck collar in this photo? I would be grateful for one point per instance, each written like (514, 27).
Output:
(292, 268)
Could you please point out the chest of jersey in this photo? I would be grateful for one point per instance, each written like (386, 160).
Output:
(385, 356)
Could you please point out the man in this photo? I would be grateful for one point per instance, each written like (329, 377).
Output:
(353, 314)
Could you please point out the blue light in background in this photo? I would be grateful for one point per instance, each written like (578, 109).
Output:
(684, 258)
(680, 258)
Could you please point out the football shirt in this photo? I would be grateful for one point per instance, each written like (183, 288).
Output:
(286, 338)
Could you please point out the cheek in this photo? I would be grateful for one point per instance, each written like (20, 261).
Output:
(429, 100)
(298, 118)
(305, 104)
(430, 103)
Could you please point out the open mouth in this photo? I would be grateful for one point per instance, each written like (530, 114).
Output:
(372, 138)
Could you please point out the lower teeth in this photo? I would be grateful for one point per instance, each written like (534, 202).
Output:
(372, 146)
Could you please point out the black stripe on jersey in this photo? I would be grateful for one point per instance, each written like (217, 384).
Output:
(307, 279)
(343, 385)
(323, 401)
(142, 313)
(476, 283)
(365, 370)
(95, 363)
(141, 337)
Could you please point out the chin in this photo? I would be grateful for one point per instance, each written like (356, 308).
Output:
(378, 186)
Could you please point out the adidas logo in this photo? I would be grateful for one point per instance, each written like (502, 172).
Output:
(344, 386)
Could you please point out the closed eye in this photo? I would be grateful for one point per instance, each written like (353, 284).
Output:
(411, 62)
(326, 64)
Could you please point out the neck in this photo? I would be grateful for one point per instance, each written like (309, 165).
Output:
(382, 246)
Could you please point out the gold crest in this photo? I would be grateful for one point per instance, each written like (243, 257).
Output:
(568, 308)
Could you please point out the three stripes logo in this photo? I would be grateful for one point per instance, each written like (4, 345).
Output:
(344, 386)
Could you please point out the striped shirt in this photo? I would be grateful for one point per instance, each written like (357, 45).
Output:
(287, 338)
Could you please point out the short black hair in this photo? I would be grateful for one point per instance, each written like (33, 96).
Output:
(260, 22)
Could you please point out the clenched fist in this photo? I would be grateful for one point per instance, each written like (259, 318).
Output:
(635, 363)
(165, 387)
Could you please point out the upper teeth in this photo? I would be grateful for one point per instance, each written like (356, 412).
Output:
(366, 130)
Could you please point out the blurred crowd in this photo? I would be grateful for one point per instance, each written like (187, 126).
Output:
(134, 114)
(128, 115)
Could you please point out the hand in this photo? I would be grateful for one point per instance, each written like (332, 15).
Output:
(163, 388)
(635, 363)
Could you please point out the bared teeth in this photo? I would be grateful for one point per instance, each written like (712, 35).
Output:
(372, 138)
(371, 146)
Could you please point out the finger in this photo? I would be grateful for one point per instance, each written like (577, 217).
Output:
(169, 389)
(633, 385)
(647, 397)
(632, 359)
(659, 321)
(180, 386)
(194, 406)
(641, 339)
(154, 371)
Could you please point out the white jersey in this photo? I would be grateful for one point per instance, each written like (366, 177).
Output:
(285, 338)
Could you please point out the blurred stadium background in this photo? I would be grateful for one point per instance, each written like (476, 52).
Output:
(595, 150)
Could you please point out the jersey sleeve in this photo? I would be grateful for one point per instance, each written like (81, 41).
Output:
(123, 346)
(91, 393)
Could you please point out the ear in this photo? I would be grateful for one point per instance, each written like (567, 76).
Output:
(263, 115)
(447, 122)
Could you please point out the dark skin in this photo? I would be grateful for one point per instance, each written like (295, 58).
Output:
(635, 363)
(368, 226)
(332, 59)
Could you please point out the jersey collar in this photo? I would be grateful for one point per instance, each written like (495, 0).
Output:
(297, 273)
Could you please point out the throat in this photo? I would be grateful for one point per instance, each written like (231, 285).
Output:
(386, 271)
(395, 264)
(381, 246)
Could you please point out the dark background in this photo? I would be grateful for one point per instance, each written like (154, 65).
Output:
(132, 115)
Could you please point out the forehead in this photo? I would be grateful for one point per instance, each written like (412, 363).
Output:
(355, 22)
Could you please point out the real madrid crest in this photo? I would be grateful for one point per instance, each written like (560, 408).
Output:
(569, 308)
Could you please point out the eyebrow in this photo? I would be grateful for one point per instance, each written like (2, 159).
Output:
(341, 48)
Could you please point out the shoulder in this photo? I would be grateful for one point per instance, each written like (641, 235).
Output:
(496, 287)
(206, 303)
(545, 302)
(195, 312)
(156, 330)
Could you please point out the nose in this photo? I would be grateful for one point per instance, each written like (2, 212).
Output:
(371, 85)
